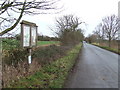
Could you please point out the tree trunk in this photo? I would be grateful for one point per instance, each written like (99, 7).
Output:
(109, 43)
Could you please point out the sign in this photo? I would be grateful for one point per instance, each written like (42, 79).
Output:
(28, 37)
(29, 34)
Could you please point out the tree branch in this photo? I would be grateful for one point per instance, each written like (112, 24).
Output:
(15, 24)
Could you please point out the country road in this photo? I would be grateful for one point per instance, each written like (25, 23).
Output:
(96, 68)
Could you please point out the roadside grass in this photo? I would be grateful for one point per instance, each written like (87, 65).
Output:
(95, 43)
(47, 42)
(108, 48)
(52, 75)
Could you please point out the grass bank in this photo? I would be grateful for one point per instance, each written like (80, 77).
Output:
(108, 48)
(52, 75)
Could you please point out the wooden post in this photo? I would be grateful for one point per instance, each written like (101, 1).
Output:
(36, 34)
(21, 38)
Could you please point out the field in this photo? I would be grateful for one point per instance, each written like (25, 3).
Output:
(10, 44)
(47, 42)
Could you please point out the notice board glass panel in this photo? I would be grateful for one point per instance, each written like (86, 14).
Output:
(33, 36)
(26, 35)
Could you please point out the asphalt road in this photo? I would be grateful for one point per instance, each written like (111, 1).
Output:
(96, 68)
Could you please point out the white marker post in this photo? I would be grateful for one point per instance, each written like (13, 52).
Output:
(29, 57)
(28, 37)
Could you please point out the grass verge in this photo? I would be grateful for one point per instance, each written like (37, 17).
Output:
(52, 75)
(108, 48)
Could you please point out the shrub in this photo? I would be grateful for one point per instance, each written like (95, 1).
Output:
(9, 44)
(12, 57)
(47, 54)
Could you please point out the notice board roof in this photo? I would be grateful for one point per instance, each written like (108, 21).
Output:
(28, 23)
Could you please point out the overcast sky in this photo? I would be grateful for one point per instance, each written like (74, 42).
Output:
(89, 11)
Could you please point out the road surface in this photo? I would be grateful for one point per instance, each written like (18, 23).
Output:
(96, 68)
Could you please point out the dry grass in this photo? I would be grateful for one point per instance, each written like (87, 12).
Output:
(114, 44)
(11, 73)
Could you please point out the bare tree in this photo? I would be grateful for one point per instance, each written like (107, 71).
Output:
(8, 21)
(91, 38)
(107, 29)
(110, 27)
(68, 29)
(99, 32)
